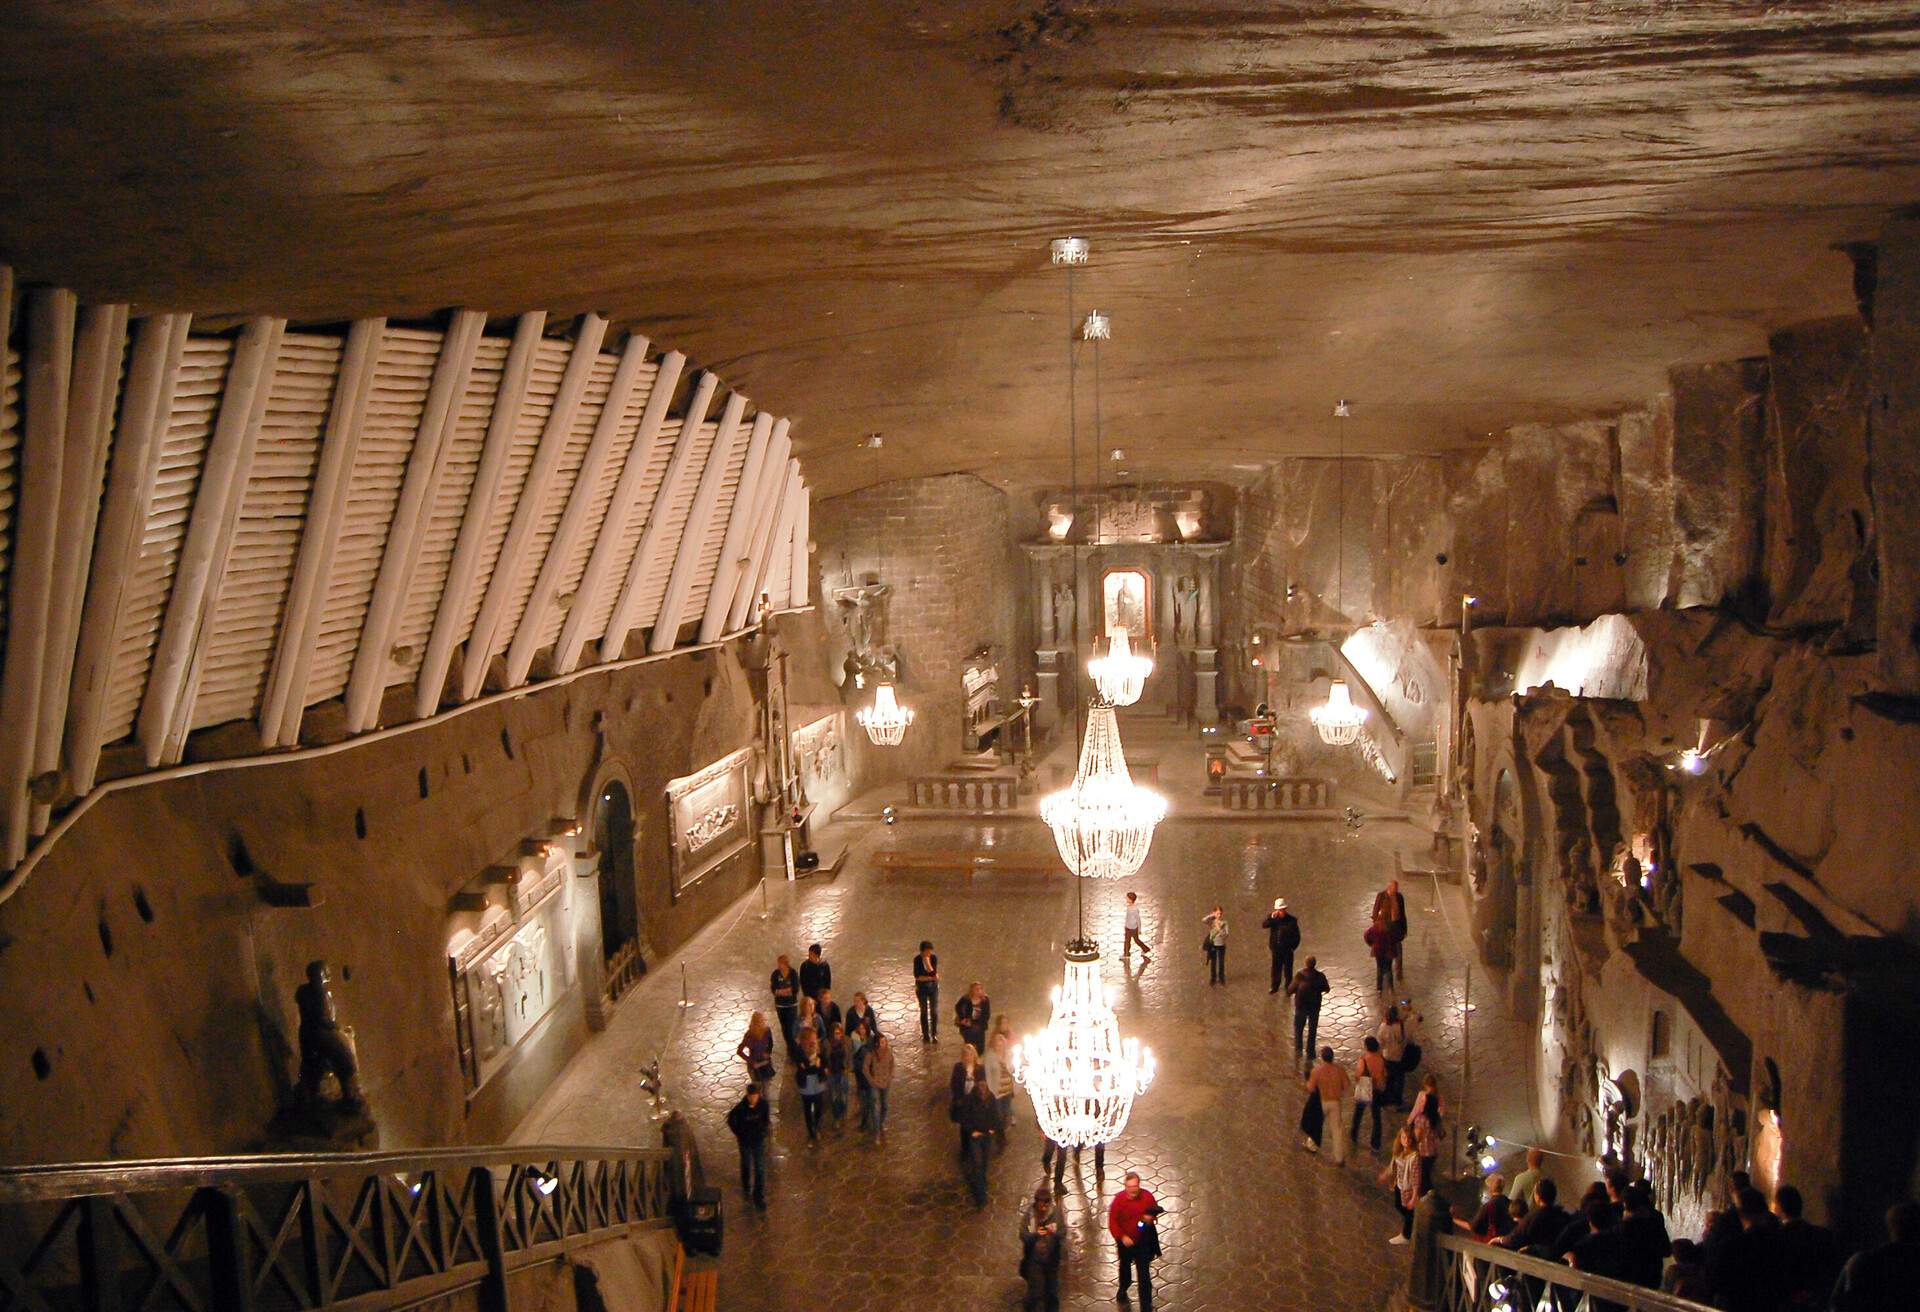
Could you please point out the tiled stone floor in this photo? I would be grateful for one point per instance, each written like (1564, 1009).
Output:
(1254, 1221)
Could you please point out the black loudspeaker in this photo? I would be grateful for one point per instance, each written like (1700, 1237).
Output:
(806, 860)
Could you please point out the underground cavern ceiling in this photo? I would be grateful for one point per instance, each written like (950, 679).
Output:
(1457, 215)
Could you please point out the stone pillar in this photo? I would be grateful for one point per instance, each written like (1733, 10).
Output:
(589, 948)
(1047, 670)
(1206, 674)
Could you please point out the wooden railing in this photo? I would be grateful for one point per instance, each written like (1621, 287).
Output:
(329, 1230)
(964, 792)
(1240, 793)
(1477, 1277)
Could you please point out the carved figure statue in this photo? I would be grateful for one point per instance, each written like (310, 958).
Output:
(1186, 610)
(324, 1049)
(1062, 609)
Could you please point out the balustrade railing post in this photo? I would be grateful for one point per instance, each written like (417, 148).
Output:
(227, 1275)
(486, 1205)
(99, 1254)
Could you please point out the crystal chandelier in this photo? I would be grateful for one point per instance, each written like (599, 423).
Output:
(886, 720)
(1339, 721)
(1081, 1075)
(1103, 822)
(1121, 673)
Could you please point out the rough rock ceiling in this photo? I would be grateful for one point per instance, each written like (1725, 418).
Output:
(1456, 214)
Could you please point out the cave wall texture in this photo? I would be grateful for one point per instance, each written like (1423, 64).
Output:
(161, 1019)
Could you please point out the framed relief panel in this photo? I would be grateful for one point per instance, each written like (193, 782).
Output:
(711, 814)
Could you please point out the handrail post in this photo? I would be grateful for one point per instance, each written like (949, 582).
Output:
(227, 1274)
(492, 1293)
(99, 1254)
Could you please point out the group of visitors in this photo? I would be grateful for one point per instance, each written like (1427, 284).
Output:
(835, 1056)
(980, 1087)
(1753, 1256)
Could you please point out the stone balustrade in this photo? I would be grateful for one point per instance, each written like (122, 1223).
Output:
(963, 792)
(1241, 793)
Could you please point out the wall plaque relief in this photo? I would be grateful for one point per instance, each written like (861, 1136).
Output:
(509, 976)
(818, 758)
(710, 813)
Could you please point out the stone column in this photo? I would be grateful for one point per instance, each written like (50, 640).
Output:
(588, 936)
(1206, 674)
(1047, 672)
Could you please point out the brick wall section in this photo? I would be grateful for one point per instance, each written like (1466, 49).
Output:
(946, 547)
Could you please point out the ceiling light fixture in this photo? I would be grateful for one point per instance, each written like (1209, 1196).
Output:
(886, 721)
(1340, 723)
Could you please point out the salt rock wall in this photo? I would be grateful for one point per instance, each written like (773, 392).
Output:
(153, 986)
(1893, 450)
(945, 548)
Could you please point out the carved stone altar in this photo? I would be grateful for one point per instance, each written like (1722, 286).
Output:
(1179, 611)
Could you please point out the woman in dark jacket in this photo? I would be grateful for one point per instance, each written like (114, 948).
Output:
(1040, 1251)
(979, 1118)
(968, 1074)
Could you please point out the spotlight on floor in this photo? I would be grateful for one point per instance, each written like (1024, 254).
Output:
(888, 814)
(542, 1181)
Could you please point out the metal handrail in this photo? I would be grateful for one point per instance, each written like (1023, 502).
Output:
(356, 1232)
(1468, 1284)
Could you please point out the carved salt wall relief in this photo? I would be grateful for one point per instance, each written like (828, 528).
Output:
(711, 817)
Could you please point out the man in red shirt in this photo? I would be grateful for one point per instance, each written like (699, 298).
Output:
(1131, 1219)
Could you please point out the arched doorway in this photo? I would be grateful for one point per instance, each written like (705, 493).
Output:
(613, 837)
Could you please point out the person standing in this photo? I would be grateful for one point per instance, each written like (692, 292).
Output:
(749, 1120)
(862, 1013)
(786, 999)
(999, 1066)
(1810, 1254)
(1390, 908)
(1402, 1176)
(808, 1022)
(971, 1014)
(1216, 945)
(1307, 988)
(1645, 1244)
(829, 1012)
(1392, 1035)
(1883, 1279)
(1131, 1220)
(815, 973)
(967, 1073)
(1380, 947)
(877, 1057)
(756, 1050)
(810, 1074)
(1283, 936)
(1523, 1183)
(1425, 1122)
(978, 1115)
(926, 987)
(839, 1066)
(1327, 1090)
(1369, 1090)
(1040, 1252)
(1133, 930)
(1054, 1158)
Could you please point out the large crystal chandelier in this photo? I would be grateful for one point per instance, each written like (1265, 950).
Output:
(1103, 822)
(1121, 673)
(1081, 1075)
(886, 720)
(1339, 721)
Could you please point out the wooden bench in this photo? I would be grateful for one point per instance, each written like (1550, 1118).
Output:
(695, 1289)
(892, 861)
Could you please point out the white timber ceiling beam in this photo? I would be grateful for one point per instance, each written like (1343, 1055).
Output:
(286, 698)
(653, 540)
(463, 571)
(406, 535)
(773, 475)
(740, 525)
(168, 701)
(48, 378)
(99, 349)
(573, 633)
(800, 581)
(792, 496)
(573, 520)
(485, 637)
(706, 501)
(132, 474)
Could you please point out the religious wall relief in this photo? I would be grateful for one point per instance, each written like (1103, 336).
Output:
(861, 615)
